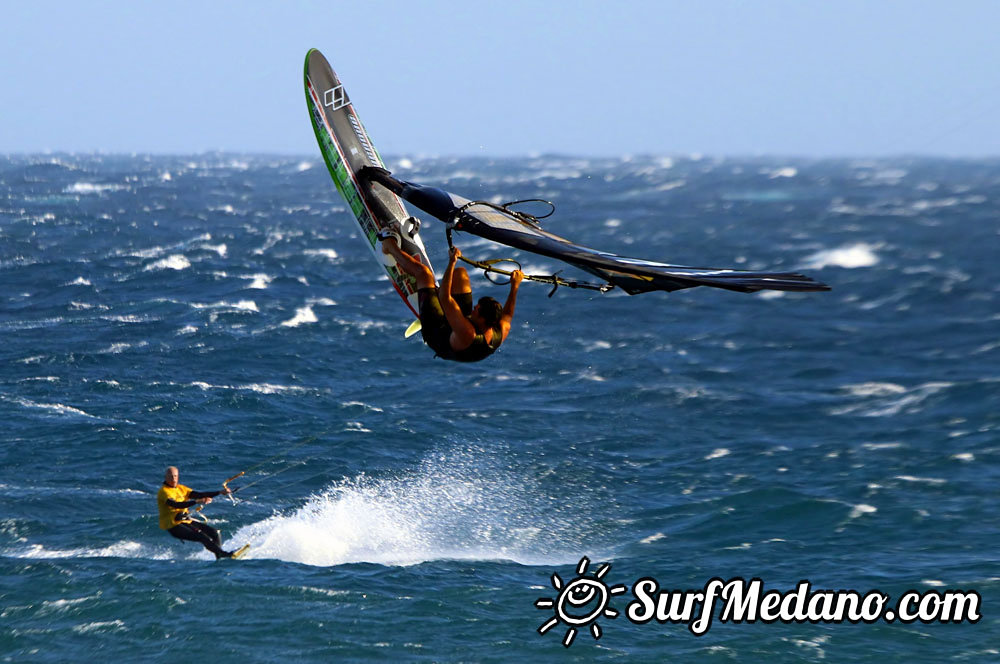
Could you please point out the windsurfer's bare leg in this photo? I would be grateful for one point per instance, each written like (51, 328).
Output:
(411, 265)
(460, 282)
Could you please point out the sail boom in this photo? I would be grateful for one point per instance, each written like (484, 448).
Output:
(633, 275)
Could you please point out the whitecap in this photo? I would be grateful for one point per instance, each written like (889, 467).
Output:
(356, 427)
(717, 454)
(91, 188)
(271, 388)
(363, 325)
(925, 205)
(121, 549)
(861, 510)
(986, 348)
(154, 252)
(259, 388)
(329, 592)
(241, 305)
(652, 538)
(853, 256)
(874, 389)
(881, 446)
(891, 176)
(330, 254)
(260, 281)
(921, 480)
(786, 172)
(57, 408)
(348, 404)
(128, 318)
(890, 402)
(273, 238)
(101, 626)
(220, 249)
(79, 281)
(118, 348)
(590, 374)
(814, 646)
(302, 316)
(63, 605)
(321, 301)
(174, 262)
(673, 184)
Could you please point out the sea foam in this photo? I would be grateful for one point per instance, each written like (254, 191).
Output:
(464, 504)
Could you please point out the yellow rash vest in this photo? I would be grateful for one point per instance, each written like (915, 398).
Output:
(171, 516)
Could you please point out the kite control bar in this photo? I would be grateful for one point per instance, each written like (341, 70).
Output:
(225, 485)
(283, 453)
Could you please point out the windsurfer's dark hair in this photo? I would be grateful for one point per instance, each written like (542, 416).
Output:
(490, 310)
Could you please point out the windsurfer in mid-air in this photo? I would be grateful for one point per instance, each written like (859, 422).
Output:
(174, 499)
(451, 326)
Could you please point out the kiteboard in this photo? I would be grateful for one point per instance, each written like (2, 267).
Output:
(347, 149)
(238, 553)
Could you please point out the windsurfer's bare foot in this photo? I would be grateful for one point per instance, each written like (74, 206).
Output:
(390, 246)
(390, 233)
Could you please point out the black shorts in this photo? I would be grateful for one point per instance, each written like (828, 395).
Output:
(195, 531)
(434, 327)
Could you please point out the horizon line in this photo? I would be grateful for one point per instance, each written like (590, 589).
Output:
(624, 156)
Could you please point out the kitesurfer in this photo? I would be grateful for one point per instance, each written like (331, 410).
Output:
(174, 499)
(451, 326)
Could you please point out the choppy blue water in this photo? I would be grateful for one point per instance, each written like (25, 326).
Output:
(213, 311)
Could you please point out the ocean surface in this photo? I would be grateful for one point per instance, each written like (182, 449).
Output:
(221, 312)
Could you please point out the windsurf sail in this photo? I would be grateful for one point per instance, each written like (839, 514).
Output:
(521, 231)
(346, 148)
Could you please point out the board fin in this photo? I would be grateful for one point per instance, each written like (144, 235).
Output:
(412, 329)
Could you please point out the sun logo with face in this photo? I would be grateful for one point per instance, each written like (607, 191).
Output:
(580, 602)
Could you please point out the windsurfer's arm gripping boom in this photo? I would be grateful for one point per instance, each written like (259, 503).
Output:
(508, 308)
(462, 330)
